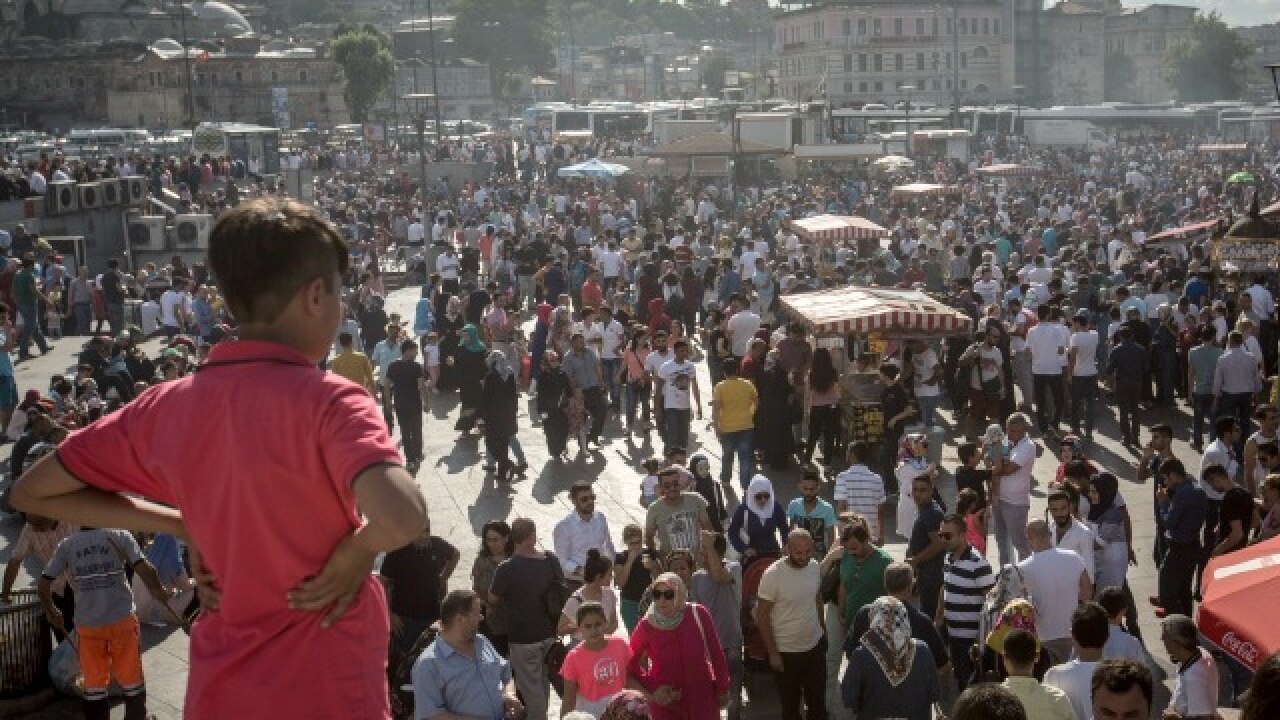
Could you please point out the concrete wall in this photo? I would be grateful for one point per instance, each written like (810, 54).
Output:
(102, 229)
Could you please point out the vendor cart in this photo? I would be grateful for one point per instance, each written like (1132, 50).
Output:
(835, 229)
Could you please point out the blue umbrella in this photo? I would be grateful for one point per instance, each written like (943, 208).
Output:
(594, 169)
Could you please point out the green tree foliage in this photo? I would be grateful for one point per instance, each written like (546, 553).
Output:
(1118, 82)
(1208, 65)
(510, 35)
(367, 65)
(713, 72)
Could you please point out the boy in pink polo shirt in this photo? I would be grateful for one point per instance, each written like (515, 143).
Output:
(260, 461)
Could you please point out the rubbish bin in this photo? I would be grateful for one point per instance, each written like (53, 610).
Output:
(25, 646)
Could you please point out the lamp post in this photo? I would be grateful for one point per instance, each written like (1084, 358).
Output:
(1018, 90)
(418, 104)
(908, 89)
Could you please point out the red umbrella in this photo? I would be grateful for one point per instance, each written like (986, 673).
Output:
(1239, 591)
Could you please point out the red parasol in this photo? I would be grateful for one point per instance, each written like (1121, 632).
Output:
(1239, 591)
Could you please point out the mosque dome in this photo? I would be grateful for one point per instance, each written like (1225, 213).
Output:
(221, 15)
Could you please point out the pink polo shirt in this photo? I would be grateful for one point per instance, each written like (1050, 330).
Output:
(258, 449)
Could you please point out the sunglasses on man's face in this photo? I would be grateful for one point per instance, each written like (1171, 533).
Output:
(664, 594)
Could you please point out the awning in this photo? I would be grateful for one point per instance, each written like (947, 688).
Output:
(1008, 170)
(1239, 591)
(916, 189)
(894, 313)
(1271, 210)
(1223, 147)
(1181, 232)
(834, 228)
(843, 151)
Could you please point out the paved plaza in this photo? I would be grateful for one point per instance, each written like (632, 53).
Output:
(462, 497)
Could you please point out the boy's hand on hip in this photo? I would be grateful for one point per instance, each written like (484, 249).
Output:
(336, 586)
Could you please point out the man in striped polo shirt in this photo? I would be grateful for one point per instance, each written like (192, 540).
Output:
(966, 578)
(860, 490)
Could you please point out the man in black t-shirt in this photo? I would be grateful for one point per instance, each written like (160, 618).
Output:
(418, 575)
(1235, 516)
(408, 397)
(113, 296)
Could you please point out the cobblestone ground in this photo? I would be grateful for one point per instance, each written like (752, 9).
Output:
(463, 497)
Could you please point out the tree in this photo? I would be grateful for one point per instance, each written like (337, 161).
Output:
(1209, 64)
(368, 67)
(1118, 82)
(713, 72)
(313, 11)
(509, 35)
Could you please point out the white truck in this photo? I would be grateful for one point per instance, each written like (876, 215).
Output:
(1065, 133)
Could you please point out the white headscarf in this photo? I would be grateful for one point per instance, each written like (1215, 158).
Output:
(760, 484)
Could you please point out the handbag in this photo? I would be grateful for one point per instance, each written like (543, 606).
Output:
(830, 587)
(706, 651)
(553, 660)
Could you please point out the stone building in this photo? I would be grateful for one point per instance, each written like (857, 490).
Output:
(1075, 35)
(137, 20)
(1144, 35)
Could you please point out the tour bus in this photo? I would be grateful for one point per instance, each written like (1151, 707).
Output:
(1119, 119)
(254, 144)
(848, 125)
(107, 139)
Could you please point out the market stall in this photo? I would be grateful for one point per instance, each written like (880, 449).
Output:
(1238, 591)
(877, 316)
(919, 190)
(1007, 170)
(1178, 240)
(1223, 148)
(834, 229)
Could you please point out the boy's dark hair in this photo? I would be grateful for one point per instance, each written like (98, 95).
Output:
(1020, 648)
(1224, 424)
(988, 701)
(345, 339)
(1214, 470)
(1090, 626)
(730, 366)
(1173, 465)
(406, 346)
(457, 602)
(1076, 469)
(1112, 601)
(1119, 676)
(967, 450)
(1162, 429)
(264, 251)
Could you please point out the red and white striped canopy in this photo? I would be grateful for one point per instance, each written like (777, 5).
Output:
(1008, 170)
(894, 313)
(916, 189)
(1181, 232)
(829, 228)
(1224, 147)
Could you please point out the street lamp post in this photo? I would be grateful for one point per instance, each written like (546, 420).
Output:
(1018, 90)
(908, 89)
(418, 104)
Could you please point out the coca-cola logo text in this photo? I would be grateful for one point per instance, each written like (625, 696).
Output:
(1240, 648)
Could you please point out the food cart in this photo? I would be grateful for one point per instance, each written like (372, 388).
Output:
(919, 189)
(830, 230)
(875, 318)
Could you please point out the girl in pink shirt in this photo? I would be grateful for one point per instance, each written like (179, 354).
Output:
(595, 670)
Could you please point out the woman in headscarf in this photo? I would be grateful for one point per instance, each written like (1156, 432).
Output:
(759, 525)
(498, 400)
(912, 463)
(553, 398)
(469, 371)
(648, 287)
(538, 343)
(676, 655)
(774, 414)
(891, 674)
(449, 328)
(1109, 519)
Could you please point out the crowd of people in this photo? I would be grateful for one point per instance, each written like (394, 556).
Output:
(601, 302)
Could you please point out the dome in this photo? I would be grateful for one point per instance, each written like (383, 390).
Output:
(167, 45)
(221, 16)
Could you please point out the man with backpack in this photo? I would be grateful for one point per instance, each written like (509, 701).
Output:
(531, 587)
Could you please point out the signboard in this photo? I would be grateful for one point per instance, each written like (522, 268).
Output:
(208, 140)
(1247, 255)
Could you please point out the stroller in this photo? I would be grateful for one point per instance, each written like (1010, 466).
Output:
(400, 678)
(1010, 585)
(756, 655)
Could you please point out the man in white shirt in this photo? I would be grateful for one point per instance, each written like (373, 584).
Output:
(1048, 352)
(1058, 583)
(1263, 304)
(1195, 693)
(1020, 357)
(416, 233)
(789, 616)
(448, 266)
(678, 383)
(39, 185)
(612, 338)
(580, 531)
(1011, 488)
(1083, 361)
(742, 327)
(610, 262)
(1071, 534)
(1089, 628)
(173, 309)
(860, 490)
(987, 287)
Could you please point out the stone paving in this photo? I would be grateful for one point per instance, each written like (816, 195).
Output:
(462, 497)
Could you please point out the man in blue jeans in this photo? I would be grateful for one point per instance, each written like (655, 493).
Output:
(733, 410)
(27, 295)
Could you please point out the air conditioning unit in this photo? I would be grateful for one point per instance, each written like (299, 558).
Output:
(111, 192)
(191, 232)
(133, 190)
(146, 233)
(61, 198)
(90, 195)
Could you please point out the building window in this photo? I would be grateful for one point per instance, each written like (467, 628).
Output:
(274, 77)
(986, 26)
(847, 26)
(878, 65)
(876, 27)
(848, 63)
(239, 77)
(949, 30)
(862, 26)
(862, 63)
(919, 26)
(980, 52)
(879, 86)
(919, 61)
(948, 61)
(862, 86)
(302, 76)
(848, 87)
(897, 27)
(948, 83)
(964, 61)
(995, 26)
(964, 26)
(964, 83)
(897, 62)
(152, 77)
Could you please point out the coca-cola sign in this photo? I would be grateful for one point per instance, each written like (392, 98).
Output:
(1242, 649)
